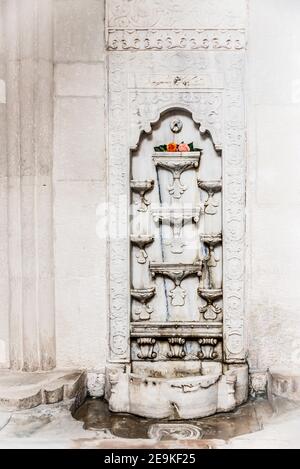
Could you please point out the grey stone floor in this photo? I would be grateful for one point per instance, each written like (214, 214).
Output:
(256, 424)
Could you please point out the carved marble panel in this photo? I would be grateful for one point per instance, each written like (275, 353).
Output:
(175, 74)
(169, 14)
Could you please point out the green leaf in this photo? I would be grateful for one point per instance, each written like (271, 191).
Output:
(160, 148)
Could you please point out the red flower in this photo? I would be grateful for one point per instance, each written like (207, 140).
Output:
(172, 147)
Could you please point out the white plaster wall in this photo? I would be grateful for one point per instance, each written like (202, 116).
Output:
(79, 183)
(273, 197)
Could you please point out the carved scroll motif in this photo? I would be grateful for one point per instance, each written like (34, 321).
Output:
(176, 347)
(146, 346)
(207, 348)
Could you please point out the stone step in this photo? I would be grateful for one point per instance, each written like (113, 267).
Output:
(20, 391)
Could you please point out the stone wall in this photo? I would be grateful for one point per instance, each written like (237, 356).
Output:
(53, 177)
(273, 195)
(79, 176)
(53, 274)
(27, 303)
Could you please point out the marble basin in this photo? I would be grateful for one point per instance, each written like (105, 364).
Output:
(177, 398)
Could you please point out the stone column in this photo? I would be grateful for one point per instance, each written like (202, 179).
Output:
(4, 283)
(29, 55)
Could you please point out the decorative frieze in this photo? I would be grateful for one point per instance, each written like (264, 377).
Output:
(185, 349)
(196, 15)
(181, 39)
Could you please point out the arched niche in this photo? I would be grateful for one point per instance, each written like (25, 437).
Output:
(176, 206)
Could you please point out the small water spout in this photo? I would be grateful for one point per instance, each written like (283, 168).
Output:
(176, 411)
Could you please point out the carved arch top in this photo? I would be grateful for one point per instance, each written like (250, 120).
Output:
(207, 116)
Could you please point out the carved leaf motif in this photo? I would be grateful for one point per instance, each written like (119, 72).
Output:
(178, 295)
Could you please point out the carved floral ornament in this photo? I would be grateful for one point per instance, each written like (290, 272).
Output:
(149, 14)
(170, 25)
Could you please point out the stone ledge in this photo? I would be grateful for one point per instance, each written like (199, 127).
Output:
(284, 384)
(21, 391)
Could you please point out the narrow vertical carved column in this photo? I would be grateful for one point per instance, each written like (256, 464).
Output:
(30, 122)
